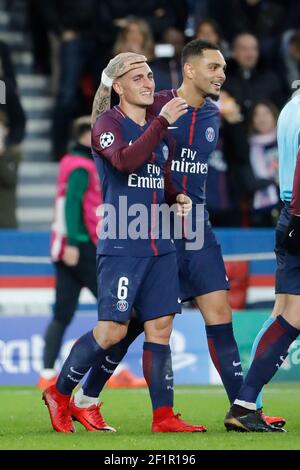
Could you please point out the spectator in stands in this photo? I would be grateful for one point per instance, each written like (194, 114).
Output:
(135, 36)
(12, 129)
(290, 54)
(159, 15)
(263, 18)
(264, 161)
(10, 156)
(165, 58)
(166, 67)
(76, 25)
(209, 30)
(222, 201)
(223, 209)
(248, 81)
(235, 147)
(11, 106)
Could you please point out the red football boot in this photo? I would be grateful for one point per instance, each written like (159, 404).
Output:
(126, 379)
(90, 417)
(164, 420)
(58, 407)
(276, 421)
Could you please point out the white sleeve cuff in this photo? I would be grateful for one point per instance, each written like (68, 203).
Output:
(106, 80)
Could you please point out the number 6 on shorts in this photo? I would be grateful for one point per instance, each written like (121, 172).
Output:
(122, 288)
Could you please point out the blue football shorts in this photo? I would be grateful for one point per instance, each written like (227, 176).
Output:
(287, 279)
(149, 284)
(201, 271)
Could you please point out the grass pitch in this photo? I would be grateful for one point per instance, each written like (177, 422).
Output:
(25, 423)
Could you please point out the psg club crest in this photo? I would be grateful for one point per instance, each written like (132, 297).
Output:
(106, 139)
(210, 134)
(122, 305)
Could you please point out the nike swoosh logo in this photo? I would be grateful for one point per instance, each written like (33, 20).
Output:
(179, 300)
(170, 127)
(130, 143)
(75, 372)
(110, 361)
(291, 233)
(235, 364)
(169, 378)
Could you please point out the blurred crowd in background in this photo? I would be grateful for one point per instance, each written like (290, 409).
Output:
(71, 41)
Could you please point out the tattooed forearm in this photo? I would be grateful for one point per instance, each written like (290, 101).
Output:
(101, 102)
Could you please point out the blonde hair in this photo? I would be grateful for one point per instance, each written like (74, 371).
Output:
(144, 28)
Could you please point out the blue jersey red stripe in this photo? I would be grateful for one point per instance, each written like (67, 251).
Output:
(196, 134)
(153, 222)
(192, 126)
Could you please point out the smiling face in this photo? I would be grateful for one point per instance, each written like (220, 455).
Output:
(206, 72)
(136, 86)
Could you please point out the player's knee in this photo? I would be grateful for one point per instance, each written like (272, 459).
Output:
(107, 334)
(220, 315)
(159, 330)
(113, 337)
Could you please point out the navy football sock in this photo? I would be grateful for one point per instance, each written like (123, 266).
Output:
(267, 323)
(271, 351)
(157, 367)
(101, 372)
(84, 354)
(225, 356)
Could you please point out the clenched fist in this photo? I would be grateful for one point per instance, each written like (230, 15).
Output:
(184, 204)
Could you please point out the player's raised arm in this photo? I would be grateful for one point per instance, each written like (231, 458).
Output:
(116, 67)
(107, 140)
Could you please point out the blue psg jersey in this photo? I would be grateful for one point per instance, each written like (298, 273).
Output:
(123, 189)
(196, 134)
